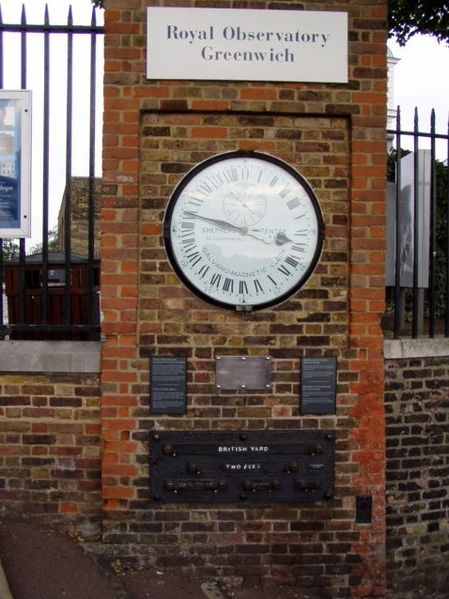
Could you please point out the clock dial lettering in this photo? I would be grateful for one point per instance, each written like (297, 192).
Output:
(203, 271)
(245, 173)
(232, 173)
(217, 180)
(226, 176)
(228, 285)
(187, 226)
(215, 280)
(291, 261)
(243, 288)
(258, 287)
(193, 258)
(188, 242)
(196, 202)
(273, 181)
(205, 188)
(284, 193)
(293, 203)
(284, 270)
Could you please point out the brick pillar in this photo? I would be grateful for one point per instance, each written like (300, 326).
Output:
(335, 136)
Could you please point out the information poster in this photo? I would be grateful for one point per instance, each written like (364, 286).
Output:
(168, 385)
(15, 163)
(318, 385)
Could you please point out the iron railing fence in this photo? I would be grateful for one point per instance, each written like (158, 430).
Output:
(417, 262)
(55, 294)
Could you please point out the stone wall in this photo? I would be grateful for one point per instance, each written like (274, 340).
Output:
(334, 135)
(417, 412)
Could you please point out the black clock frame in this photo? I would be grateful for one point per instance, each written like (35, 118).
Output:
(193, 173)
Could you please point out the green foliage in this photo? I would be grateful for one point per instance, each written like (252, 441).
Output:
(442, 240)
(407, 18)
(53, 244)
(10, 249)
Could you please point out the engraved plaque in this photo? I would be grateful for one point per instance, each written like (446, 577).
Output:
(318, 385)
(168, 385)
(242, 467)
(241, 372)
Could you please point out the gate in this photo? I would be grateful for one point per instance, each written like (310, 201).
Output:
(418, 241)
(52, 292)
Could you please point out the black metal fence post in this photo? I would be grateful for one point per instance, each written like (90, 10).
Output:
(68, 173)
(397, 262)
(416, 295)
(2, 277)
(446, 328)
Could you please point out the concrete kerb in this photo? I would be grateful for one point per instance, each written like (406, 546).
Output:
(5, 592)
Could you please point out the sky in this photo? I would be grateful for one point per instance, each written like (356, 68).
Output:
(420, 80)
(58, 12)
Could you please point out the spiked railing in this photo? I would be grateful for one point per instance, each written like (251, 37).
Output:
(422, 308)
(43, 325)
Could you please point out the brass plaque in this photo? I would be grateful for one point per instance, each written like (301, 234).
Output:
(243, 373)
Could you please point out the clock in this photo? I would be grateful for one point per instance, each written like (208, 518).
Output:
(243, 230)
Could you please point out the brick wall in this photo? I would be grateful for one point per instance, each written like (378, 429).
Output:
(334, 135)
(79, 216)
(50, 445)
(417, 412)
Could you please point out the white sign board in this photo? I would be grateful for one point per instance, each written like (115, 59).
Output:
(247, 45)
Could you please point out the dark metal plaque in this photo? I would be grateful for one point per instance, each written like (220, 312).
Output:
(168, 385)
(246, 467)
(318, 385)
(241, 372)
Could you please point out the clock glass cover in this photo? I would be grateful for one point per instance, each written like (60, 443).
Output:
(243, 230)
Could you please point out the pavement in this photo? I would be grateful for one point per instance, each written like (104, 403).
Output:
(39, 562)
(5, 591)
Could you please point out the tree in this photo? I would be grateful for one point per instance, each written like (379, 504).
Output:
(10, 249)
(407, 18)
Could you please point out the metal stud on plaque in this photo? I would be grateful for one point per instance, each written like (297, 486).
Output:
(243, 373)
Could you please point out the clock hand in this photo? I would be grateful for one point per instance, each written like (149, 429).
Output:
(227, 226)
(281, 238)
(220, 223)
(251, 234)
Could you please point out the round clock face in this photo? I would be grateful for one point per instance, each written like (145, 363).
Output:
(243, 230)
